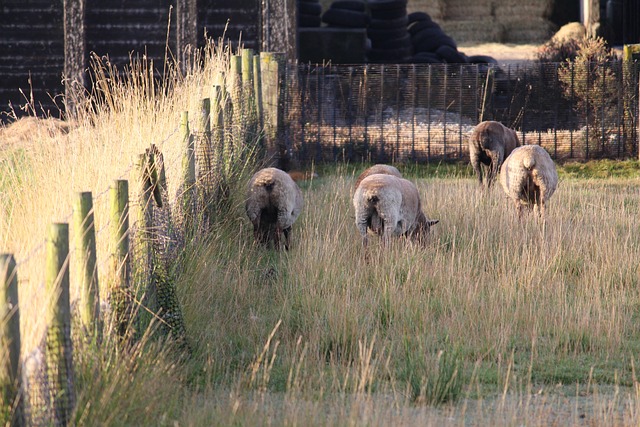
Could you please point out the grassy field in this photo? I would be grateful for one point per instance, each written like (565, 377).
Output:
(493, 322)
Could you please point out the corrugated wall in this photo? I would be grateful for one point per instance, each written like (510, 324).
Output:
(236, 20)
(32, 41)
(117, 28)
(31, 56)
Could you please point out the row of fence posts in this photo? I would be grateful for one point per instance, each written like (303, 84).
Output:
(261, 78)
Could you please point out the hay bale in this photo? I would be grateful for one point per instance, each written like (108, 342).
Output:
(27, 129)
(434, 8)
(464, 9)
(523, 10)
(487, 30)
(570, 31)
(527, 30)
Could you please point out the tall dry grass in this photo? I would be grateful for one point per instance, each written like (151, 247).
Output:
(492, 308)
(479, 326)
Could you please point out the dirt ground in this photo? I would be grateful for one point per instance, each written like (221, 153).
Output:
(503, 53)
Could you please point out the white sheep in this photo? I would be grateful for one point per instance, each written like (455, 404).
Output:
(529, 178)
(490, 143)
(390, 206)
(274, 202)
(379, 168)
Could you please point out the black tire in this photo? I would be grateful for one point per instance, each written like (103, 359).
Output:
(390, 55)
(482, 59)
(451, 55)
(387, 24)
(309, 21)
(430, 39)
(418, 17)
(377, 35)
(346, 18)
(427, 34)
(400, 43)
(426, 58)
(387, 4)
(389, 13)
(310, 8)
(355, 5)
(416, 27)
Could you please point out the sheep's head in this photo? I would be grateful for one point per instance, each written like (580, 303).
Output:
(423, 227)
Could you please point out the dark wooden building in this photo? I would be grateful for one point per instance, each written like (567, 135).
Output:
(42, 41)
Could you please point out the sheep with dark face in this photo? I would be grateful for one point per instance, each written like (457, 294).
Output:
(490, 143)
(380, 169)
(274, 202)
(390, 206)
(529, 177)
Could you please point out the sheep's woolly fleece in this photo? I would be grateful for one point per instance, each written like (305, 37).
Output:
(490, 143)
(274, 202)
(529, 177)
(389, 206)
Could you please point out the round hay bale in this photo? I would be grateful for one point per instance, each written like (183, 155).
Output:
(570, 31)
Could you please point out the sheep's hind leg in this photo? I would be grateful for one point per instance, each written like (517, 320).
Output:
(286, 232)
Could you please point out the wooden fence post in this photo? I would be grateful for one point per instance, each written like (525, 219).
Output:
(187, 188)
(121, 288)
(10, 339)
(257, 90)
(206, 164)
(59, 350)
(74, 53)
(86, 269)
(272, 73)
(144, 236)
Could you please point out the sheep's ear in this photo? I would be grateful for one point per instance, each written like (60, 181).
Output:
(433, 222)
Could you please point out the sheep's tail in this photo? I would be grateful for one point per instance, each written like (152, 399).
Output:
(529, 162)
(373, 198)
(268, 183)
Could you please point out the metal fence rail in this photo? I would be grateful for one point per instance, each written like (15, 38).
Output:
(425, 112)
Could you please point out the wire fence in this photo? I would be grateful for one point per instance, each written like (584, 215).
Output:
(425, 112)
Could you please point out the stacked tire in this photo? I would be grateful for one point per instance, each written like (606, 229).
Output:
(390, 39)
(309, 13)
(430, 43)
(347, 14)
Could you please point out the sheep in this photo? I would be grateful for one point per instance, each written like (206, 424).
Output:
(490, 143)
(274, 202)
(529, 178)
(379, 168)
(389, 206)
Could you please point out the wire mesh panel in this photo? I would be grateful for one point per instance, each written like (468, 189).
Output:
(425, 112)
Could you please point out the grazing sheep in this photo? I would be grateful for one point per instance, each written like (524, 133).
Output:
(274, 202)
(490, 143)
(529, 178)
(380, 168)
(390, 206)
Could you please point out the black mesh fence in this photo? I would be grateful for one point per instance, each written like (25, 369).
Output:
(425, 112)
